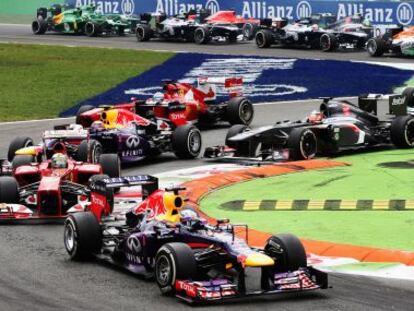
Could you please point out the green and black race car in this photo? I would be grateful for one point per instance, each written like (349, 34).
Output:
(82, 20)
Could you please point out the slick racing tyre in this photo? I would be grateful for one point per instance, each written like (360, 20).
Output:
(91, 29)
(264, 38)
(82, 235)
(174, 261)
(242, 148)
(302, 144)
(81, 110)
(376, 46)
(186, 141)
(143, 33)
(89, 151)
(402, 131)
(9, 190)
(408, 93)
(202, 35)
(111, 165)
(240, 111)
(288, 251)
(16, 144)
(22, 159)
(328, 42)
(39, 26)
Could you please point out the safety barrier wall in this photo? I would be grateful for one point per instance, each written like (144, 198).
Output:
(379, 12)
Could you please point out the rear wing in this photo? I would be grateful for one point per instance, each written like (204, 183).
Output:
(233, 85)
(148, 183)
(396, 103)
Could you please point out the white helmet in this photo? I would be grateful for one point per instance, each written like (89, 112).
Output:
(59, 160)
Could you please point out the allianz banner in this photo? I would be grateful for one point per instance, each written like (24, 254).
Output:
(379, 12)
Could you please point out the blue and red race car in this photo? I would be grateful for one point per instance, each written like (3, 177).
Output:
(188, 257)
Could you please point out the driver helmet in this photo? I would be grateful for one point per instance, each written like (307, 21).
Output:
(315, 117)
(366, 22)
(97, 125)
(158, 96)
(75, 127)
(315, 27)
(59, 160)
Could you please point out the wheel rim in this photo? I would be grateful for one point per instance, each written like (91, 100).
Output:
(245, 112)
(199, 35)
(194, 142)
(163, 269)
(140, 33)
(308, 145)
(260, 39)
(70, 240)
(409, 132)
(89, 28)
(96, 153)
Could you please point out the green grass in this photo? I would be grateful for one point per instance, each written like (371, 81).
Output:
(41, 81)
(367, 178)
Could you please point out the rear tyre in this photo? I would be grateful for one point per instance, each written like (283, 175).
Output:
(81, 110)
(402, 131)
(288, 251)
(302, 144)
(240, 111)
(89, 151)
(16, 144)
(91, 29)
(9, 190)
(264, 38)
(21, 160)
(111, 165)
(408, 93)
(174, 261)
(186, 141)
(376, 46)
(202, 35)
(39, 26)
(328, 42)
(82, 235)
(143, 33)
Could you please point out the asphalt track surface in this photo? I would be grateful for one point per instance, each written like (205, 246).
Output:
(36, 274)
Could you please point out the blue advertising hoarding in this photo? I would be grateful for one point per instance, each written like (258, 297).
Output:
(379, 12)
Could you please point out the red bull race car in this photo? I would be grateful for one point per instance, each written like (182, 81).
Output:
(50, 189)
(194, 260)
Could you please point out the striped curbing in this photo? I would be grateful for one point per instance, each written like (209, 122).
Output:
(321, 205)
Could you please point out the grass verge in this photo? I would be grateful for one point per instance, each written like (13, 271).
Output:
(376, 175)
(39, 81)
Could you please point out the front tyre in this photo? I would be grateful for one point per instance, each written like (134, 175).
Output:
(82, 235)
(288, 251)
(174, 261)
(39, 26)
(16, 144)
(202, 35)
(302, 144)
(91, 29)
(89, 151)
(9, 190)
(402, 132)
(240, 111)
(186, 141)
(111, 165)
(328, 42)
(143, 33)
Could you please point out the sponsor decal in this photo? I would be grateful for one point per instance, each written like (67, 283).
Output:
(303, 9)
(132, 142)
(127, 7)
(404, 13)
(213, 6)
(134, 245)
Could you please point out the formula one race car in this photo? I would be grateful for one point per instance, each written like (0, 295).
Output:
(50, 189)
(338, 125)
(196, 261)
(191, 27)
(183, 103)
(119, 130)
(396, 40)
(81, 20)
(320, 31)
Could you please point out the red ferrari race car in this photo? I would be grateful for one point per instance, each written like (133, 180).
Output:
(50, 189)
(183, 103)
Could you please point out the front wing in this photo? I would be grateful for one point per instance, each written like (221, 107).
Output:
(304, 279)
